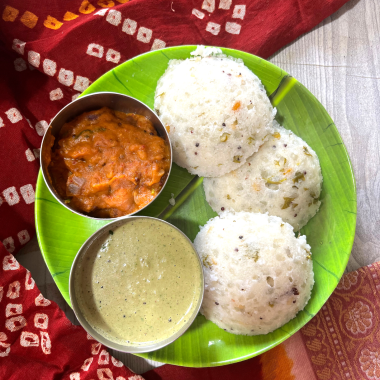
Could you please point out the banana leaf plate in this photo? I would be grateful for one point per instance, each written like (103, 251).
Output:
(330, 233)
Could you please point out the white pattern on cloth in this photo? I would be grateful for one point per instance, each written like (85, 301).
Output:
(158, 44)
(15, 323)
(104, 371)
(13, 309)
(10, 263)
(29, 339)
(9, 244)
(34, 58)
(102, 12)
(45, 343)
(225, 4)
(41, 301)
(11, 196)
(20, 64)
(233, 27)
(42, 125)
(86, 364)
(29, 282)
(208, 5)
(13, 115)
(55, 95)
(95, 348)
(95, 50)
(213, 28)
(27, 193)
(239, 12)
(116, 363)
(13, 290)
(113, 56)
(37, 321)
(29, 155)
(49, 67)
(144, 34)
(6, 351)
(66, 77)
(81, 83)
(104, 358)
(114, 17)
(23, 236)
(197, 13)
(129, 26)
(18, 46)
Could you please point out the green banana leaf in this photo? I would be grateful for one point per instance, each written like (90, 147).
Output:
(330, 233)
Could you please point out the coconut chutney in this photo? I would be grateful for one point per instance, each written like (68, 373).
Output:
(140, 283)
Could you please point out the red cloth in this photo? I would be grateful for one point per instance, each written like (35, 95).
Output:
(49, 53)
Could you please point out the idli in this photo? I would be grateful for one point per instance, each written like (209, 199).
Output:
(283, 178)
(258, 275)
(216, 111)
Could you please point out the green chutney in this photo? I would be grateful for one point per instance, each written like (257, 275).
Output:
(140, 283)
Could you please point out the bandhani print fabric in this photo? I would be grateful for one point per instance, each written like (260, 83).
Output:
(50, 52)
(342, 340)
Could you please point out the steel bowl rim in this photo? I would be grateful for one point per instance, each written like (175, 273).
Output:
(50, 185)
(78, 314)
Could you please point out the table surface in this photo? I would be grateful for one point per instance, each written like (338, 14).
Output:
(339, 62)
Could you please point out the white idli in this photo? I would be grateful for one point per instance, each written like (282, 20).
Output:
(216, 111)
(258, 275)
(283, 178)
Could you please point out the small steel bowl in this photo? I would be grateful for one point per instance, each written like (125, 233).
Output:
(80, 256)
(112, 100)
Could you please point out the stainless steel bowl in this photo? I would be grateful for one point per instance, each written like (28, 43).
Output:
(109, 343)
(113, 100)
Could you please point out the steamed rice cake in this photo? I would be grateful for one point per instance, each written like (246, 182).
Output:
(258, 275)
(216, 111)
(283, 178)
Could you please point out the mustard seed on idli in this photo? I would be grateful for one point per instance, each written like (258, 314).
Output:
(283, 178)
(216, 111)
(258, 275)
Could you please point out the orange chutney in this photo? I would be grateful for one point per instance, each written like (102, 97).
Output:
(107, 163)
